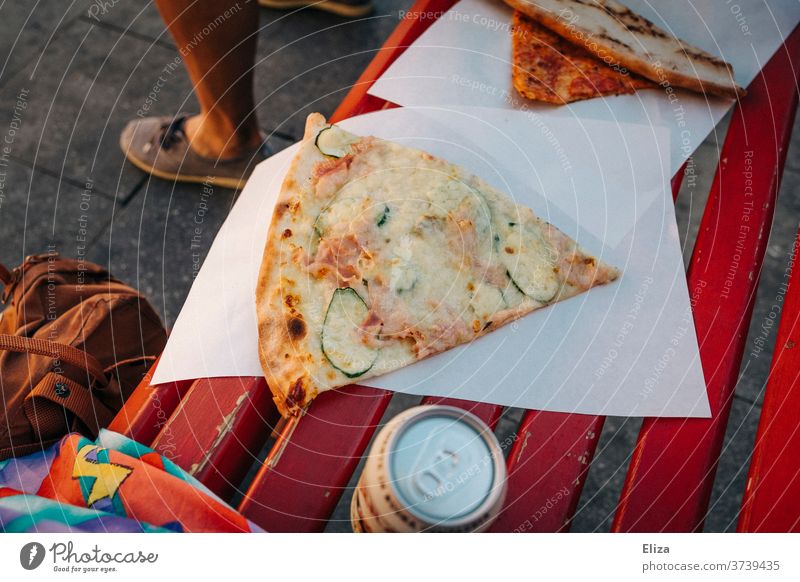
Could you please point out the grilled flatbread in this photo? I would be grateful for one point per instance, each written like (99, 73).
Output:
(380, 255)
(549, 68)
(621, 38)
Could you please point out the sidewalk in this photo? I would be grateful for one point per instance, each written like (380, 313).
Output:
(73, 77)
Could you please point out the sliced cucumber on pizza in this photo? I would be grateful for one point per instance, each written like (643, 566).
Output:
(342, 336)
(380, 255)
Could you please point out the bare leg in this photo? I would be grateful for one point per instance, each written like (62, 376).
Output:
(217, 41)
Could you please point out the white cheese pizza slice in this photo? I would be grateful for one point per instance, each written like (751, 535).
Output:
(380, 255)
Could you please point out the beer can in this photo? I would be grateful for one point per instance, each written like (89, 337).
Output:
(431, 468)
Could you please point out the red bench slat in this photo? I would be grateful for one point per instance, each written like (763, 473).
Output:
(488, 413)
(773, 484)
(148, 409)
(547, 469)
(218, 430)
(310, 465)
(668, 485)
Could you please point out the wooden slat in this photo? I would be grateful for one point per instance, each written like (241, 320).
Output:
(773, 483)
(148, 409)
(547, 469)
(218, 430)
(669, 481)
(488, 413)
(310, 465)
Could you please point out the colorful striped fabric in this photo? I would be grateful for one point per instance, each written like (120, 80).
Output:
(112, 484)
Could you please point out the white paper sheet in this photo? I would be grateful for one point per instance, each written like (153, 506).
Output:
(464, 58)
(628, 348)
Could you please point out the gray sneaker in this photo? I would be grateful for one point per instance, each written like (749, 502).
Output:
(348, 8)
(159, 146)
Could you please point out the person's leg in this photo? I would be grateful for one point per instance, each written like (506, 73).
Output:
(217, 41)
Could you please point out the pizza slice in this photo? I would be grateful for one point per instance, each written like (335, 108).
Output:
(547, 67)
(621, 38)
(380, 255)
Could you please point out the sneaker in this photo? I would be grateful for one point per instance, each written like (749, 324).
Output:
(159, 146)
(348, 8)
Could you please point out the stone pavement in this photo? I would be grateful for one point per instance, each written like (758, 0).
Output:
(74, 73)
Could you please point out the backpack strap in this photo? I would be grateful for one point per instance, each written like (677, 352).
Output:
(69, 354)
(64, 393)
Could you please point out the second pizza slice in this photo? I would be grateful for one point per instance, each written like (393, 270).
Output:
(547, 67)
(380, 255)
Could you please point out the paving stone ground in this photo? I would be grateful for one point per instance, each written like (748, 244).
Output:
(72, 74)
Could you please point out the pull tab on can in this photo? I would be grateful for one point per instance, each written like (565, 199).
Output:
(431, 481)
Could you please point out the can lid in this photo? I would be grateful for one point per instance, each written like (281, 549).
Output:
(442, 465)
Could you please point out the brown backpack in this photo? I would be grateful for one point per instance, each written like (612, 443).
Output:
(74, 343)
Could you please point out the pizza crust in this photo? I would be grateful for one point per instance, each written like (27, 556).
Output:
(282, 328)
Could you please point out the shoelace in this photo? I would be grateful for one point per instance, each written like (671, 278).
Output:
(171, 133)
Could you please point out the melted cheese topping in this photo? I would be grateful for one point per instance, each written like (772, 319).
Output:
(437, 255)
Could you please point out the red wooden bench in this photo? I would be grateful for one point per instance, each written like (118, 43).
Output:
(216, 428)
